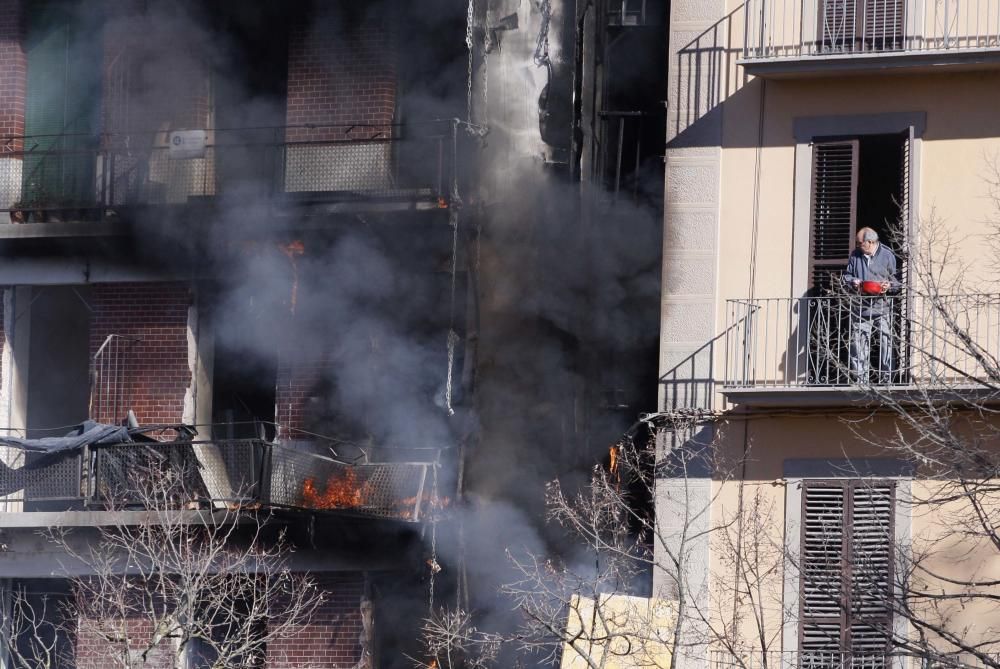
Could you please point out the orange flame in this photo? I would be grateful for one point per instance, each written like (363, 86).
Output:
(613, 467)
(346, 491)
(342, 492)
(292, 249)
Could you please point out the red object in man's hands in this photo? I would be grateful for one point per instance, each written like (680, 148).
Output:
(871, 287)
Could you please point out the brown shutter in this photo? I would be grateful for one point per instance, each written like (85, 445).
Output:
(846, 568)
(905, 201)
(883, 25)
(834, 209)
(822, 567)
(870, 567)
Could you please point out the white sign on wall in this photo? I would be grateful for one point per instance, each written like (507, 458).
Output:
(185, 144)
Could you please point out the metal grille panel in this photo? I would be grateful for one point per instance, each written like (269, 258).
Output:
(205, 471)
(232, 472)
(139, 169)
(29, 477)
(339, 167)
(304, 480)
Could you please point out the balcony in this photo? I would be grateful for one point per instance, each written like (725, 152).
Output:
(857, 659)
(788, 38)
(311, 170)
(244, 473)
(811, 350)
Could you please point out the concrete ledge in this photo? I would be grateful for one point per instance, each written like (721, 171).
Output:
(38, 519)
(951, 60)
(62, 230)
(848, 396)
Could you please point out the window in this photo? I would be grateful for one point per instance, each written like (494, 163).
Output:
(860, 25)
(63, 52)
(856, 182)
(846, 569)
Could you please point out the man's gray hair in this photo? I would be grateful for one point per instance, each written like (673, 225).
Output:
(869, 235)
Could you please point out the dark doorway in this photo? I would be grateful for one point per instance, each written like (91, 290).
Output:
(245, 367)
(59, 360)
(243, 392)
(880, 185)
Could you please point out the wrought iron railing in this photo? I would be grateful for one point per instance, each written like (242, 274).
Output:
(206, 474)
(896, 340)
(834, 659)
(798, 28)
(72, 177)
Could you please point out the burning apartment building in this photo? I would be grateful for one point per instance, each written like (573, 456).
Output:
(343, 267)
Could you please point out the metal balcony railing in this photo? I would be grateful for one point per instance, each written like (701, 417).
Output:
(847, 660)
(72, 177)
(206, 474)
(777, 29)
(627, 12)
(902, 340)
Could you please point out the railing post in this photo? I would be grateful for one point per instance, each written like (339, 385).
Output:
(746, 29)
(947, 24)
(763, 27)
(748, 344)
(85, 488)
(264, 474)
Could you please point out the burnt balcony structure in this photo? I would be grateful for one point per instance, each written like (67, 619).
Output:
(248, 474)
(114, 184)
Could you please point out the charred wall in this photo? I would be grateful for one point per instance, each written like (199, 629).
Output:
(373, 325)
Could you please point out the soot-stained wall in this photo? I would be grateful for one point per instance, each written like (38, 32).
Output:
(156, 372)
(341, 70)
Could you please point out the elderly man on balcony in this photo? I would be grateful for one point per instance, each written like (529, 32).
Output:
(872, 272)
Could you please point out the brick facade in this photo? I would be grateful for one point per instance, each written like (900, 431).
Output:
(299, 376)
(333, 637)
(13, 73)
(331, 640)
(341, 74)
(155, 368)
(92, 650)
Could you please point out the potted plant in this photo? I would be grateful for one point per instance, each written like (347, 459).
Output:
(18, 213)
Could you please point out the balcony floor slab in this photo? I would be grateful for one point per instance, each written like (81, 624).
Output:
(846, 396)
(903, 62)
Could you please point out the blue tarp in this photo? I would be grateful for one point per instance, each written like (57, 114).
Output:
(89, 433)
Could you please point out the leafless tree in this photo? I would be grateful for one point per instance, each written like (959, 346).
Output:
(185, 587)
(941, 417)
(33, 625)
(590, 607)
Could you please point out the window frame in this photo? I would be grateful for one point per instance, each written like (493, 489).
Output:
(799, 471)
(806, 131)
(846, 618)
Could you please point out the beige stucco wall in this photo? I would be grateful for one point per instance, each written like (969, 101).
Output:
(749, 520)
(731, 183)
(960, 140)
(730, 222)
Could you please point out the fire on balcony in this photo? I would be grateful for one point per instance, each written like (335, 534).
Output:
(94, 466)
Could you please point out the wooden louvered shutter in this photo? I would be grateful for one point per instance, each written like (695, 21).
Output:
(846, 568)
(905, 201)
(834, 209)
(883, 25)
(822, 560)
(870, 567)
